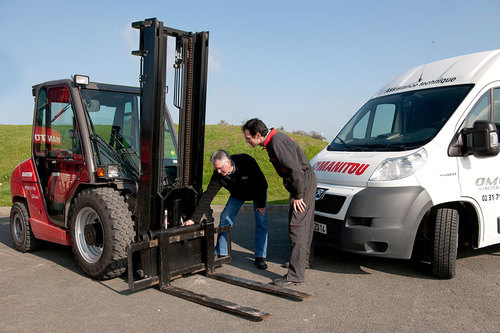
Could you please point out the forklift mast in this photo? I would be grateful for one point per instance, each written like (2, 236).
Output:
(190, 85)
(163, 250)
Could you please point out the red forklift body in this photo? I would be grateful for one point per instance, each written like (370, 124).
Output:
(24, 185)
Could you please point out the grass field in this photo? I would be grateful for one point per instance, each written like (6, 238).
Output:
(15, 145)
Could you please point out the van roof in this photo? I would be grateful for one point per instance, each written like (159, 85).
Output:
(465, 69)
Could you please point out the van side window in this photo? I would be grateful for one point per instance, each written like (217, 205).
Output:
(375, 122)
(359, 130)
(384, 118)
(480, 111)
(496, 107)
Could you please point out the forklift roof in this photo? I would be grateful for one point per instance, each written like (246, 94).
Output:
(91, 85)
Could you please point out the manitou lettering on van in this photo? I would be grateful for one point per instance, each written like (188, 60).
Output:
(341, 167)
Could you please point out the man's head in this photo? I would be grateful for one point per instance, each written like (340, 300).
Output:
(222, 162)
(254, 131)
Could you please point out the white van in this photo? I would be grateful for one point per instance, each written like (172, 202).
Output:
(417, 165)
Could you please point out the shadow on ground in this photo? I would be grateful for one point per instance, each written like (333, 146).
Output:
(323, 258)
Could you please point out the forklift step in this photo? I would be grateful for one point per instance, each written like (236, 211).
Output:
(215, 303)
(255, 285)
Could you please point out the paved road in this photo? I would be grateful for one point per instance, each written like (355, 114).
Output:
(45, 291)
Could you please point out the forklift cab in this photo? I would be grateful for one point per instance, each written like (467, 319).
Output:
(90, 132)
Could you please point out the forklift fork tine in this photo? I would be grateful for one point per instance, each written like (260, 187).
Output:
(255, 285)
(215, 303)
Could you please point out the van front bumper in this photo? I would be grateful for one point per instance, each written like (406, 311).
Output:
(379, 222)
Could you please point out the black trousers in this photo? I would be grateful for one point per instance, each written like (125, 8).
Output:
(300, 232)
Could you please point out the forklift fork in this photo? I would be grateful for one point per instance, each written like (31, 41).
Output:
(185, 250)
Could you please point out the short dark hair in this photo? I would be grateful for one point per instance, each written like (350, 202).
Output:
(255, 126)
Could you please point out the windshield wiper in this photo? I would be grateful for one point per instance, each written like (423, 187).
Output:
(386, 146)
(118, 139)
(354, 147)
(114, 155)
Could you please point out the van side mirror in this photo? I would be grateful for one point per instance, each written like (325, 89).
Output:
(481, 140)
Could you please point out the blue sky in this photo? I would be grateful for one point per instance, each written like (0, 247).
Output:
(301, 65)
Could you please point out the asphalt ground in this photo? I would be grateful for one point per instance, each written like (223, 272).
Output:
(45, 291)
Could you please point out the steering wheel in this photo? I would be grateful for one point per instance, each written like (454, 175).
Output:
(64, 154)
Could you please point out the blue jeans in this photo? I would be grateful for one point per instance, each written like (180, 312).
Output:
(227, 216)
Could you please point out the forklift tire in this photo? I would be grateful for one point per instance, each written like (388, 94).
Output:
(20, 228)
(101, 230)
(445, 243)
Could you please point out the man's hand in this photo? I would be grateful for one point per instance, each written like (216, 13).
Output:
(298, 205)
(262, 211)
(188, 222)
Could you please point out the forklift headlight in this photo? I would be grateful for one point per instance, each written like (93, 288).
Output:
(400, 167)
(109, 171)
(81, 79)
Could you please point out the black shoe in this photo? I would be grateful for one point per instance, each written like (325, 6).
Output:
(287, 264)
(260, 263)
(282, 281)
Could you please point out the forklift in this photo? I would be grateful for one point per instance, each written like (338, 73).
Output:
(110, 176)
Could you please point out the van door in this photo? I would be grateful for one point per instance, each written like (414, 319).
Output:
(480, 177)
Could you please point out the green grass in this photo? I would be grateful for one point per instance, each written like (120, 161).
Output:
(15, 145)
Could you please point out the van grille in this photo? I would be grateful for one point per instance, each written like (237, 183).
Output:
(330, 204)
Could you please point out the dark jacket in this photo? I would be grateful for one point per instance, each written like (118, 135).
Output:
(290, 163)
(247, 182)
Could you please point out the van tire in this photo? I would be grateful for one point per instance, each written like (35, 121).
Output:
(101, 230)
(445, 243)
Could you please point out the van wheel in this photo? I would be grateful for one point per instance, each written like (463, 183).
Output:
(101, 229)
(445, 243)
(20, 228)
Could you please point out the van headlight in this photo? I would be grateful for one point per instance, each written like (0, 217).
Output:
(400, 167)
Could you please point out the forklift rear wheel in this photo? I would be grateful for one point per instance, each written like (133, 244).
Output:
(20, 228)
(101, 230)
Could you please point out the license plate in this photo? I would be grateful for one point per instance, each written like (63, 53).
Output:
(320, 227)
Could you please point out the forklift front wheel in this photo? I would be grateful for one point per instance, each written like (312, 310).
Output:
(89, 231)
(101, 230)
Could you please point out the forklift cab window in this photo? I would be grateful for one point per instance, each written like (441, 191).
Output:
(56, 130)
(114, 118)
(169, 151)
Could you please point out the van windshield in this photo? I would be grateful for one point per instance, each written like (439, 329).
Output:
(401, 121)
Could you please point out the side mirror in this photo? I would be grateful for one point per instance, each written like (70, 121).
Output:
(92, 105)
(481, 140)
